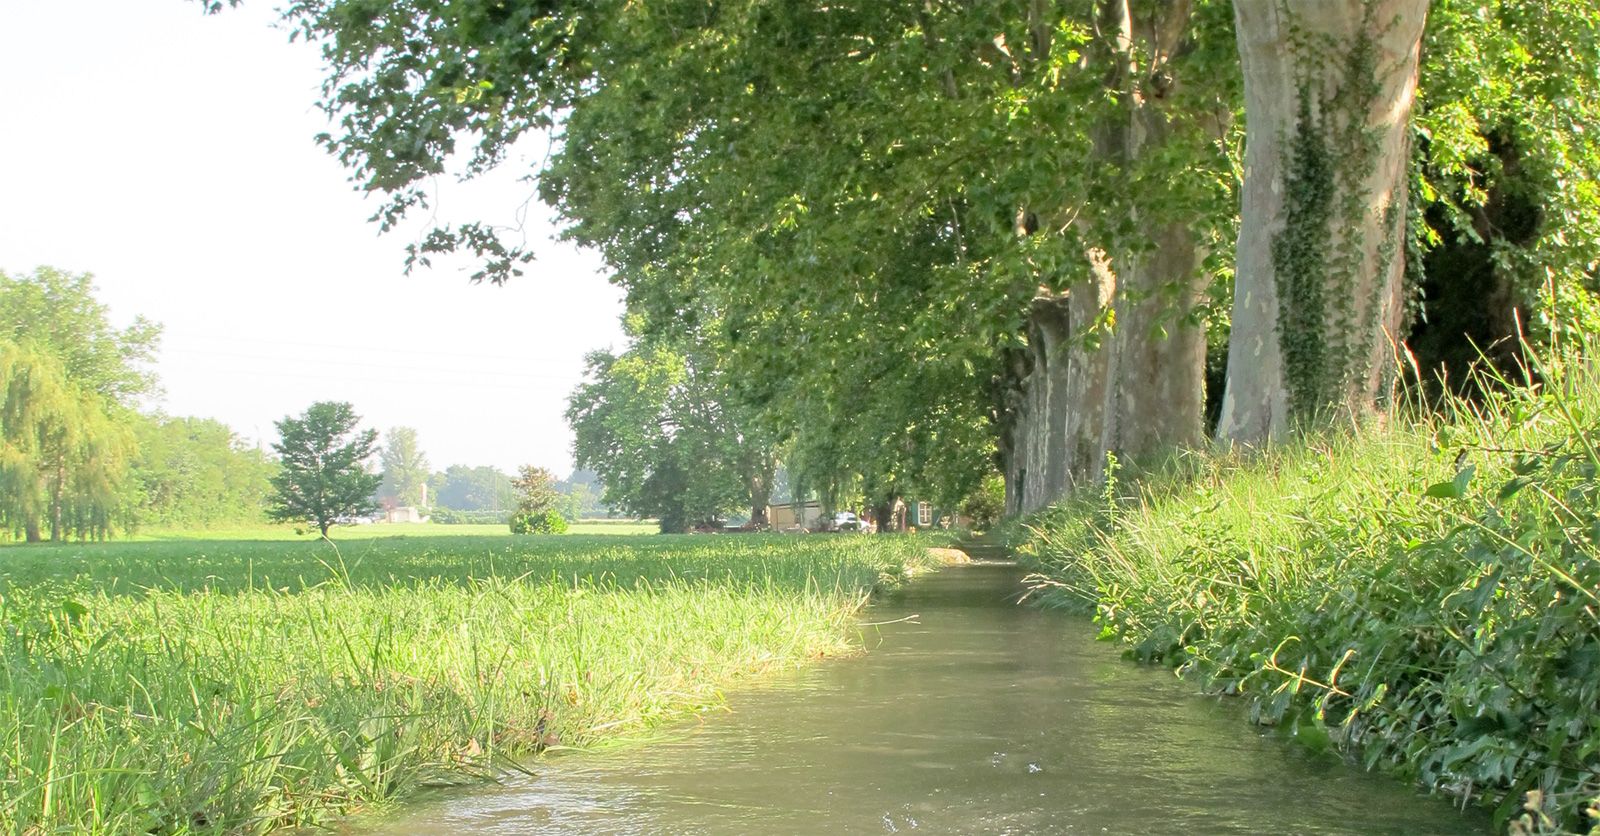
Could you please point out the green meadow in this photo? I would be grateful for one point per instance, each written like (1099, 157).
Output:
(340, 534)
(230, 685)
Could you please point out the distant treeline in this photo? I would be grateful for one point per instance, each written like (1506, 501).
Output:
(483, 495)
(194, 473)
(82, 457)
(78, 459)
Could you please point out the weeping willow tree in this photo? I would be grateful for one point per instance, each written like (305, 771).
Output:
(64, 451)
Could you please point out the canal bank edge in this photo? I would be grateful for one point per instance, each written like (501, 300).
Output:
(1420, 594)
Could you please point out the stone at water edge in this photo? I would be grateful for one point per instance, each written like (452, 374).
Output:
(949, 557)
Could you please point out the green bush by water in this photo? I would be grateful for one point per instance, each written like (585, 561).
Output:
(1424, 594)
(216, 686)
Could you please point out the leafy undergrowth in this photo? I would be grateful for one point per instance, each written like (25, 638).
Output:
(245, 686)
(1425, 595)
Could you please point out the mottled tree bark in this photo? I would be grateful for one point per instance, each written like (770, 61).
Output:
(1294, 92)
(1159, 383)
(759, 476)
(1138, 389)
(1158, 380)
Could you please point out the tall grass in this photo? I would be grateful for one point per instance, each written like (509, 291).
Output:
(1422, 593)
(241, 687)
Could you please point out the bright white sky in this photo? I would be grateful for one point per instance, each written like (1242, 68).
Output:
(171, 155)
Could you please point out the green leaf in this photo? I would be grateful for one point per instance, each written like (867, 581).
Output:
(1443, 490)
(1455, 488)
(74, 610)
(1510, 488)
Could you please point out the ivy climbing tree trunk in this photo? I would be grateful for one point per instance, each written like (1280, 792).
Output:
(1329, 88)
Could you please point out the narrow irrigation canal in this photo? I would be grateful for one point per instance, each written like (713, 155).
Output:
(979, 716)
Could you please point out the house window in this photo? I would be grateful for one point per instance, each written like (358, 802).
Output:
(924, 514)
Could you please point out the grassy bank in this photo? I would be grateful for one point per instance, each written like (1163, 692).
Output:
(232, 686)
(1422, 594)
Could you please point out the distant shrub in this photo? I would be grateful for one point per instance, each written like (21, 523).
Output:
(538, 503)
(987, 504)
(548, 522)
(450, 516)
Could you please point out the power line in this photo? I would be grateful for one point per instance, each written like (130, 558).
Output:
(357, 347)
(401, 367)
(235, 371)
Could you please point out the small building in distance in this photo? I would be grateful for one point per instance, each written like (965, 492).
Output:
(915, 514)
(906, 515)
(795, 516)
(404, 514)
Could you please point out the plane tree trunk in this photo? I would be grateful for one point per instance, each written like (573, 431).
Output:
(883, 515)
(760, 485)
(1137, 387)
(1329, 88)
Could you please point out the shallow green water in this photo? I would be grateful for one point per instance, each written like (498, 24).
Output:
(979, 717)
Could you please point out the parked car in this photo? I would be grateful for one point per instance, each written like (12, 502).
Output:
(846, 521)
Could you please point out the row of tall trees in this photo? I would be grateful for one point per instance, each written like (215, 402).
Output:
(324, 475)
(916, 242)
(78, 459)
(485, 489)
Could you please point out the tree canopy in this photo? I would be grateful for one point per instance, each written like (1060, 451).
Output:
(464, 488)
(63, 450)
(57, 310)
(668, 438)
(405, 468)
(68, 382)
(323, 475)
(929, 240)
(76, 457)
(193, 473)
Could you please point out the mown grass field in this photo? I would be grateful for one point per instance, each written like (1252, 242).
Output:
(1425, 593)
(341, 533)
(245, 685)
